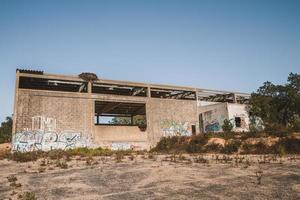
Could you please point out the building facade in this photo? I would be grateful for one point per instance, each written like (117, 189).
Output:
(62, 112)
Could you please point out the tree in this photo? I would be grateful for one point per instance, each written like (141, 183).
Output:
(6, 130)
(277, 104)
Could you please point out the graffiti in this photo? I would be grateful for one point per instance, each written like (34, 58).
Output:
(173, 128)
(212, 127)
(44, 137)
(120, 146)
(42, 123)
(37, 140)
(212, 121)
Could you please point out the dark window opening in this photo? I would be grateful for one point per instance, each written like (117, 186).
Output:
(119, 90)
(120, 113)
(52, 84)
(173, 94)
(193, 130)
(237, 122)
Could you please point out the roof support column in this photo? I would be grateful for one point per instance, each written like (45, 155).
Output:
(90, 87)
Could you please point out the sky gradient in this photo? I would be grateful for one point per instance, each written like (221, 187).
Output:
(229, 45)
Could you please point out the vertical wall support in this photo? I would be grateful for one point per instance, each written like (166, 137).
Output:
(148, 92)
(234, 98)
(131, 119)
(90, 87)
(15, 103)
(197, 112)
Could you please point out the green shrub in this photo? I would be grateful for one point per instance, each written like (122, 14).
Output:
(231, 147)
(287, 145)
(296, 124)
(196, 144)
(25, 157)
(28, 196)
(213, 148)
(227, 126)
(258, 148)
(223, 135)
(175, 143)
(277, 130)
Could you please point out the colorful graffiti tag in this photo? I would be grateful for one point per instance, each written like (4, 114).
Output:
(37, 140)
(120, 146)
(44, 137)
(173, 128)
(213, 127)
(123, 146)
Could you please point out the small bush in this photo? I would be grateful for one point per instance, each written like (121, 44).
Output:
(227, 126)
(62, 164)
(287, 146)
(200, 159)
(25, 157)
(231, 147)
(196, 144)
(12, 178)
(119, 156)
(277, 130)
(213, 148)
(296, 124)
(167, 144)
(56, 154)
(258, 148)
(27, 196)
(292, 145)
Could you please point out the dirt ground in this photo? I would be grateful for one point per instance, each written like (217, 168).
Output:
(154, 177)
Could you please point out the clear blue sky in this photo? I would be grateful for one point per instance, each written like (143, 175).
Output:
(230, 45)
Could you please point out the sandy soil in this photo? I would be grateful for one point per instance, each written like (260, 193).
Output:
(155, 177)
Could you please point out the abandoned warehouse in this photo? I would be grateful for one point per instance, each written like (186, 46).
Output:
(62, 112)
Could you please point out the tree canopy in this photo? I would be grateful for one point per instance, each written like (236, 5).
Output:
(6, 130)
(278, 104)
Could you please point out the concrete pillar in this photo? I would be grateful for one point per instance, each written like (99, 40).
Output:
(234, 98)
(89, 87)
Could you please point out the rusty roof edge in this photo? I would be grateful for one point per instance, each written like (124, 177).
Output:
(130, 83)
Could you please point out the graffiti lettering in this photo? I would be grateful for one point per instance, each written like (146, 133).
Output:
(212, 127)
(173, 128)
(37, 140)
(44, 137)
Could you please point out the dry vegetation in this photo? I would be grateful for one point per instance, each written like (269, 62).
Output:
(103, 174)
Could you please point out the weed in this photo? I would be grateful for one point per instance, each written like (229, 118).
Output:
(214, 148)
(225, 159)
(167, 144)
(131, 157)
(247, 163)
(119, 156)
(13, 193)
(231, 147)
(150, 156)
(14, 184)
(62, 164)
(25, 157)
(173, 158)
(27, 196)
(258, 175)
(41, 169)
(200, 159)
(89, 160)
(181, 157)
(43, 163)
(196, 144)
(12, 178)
